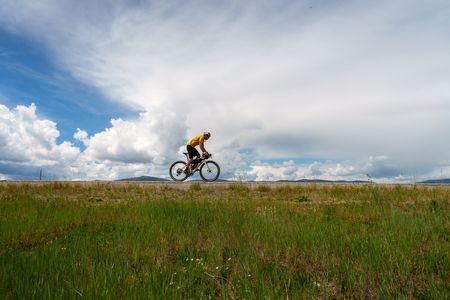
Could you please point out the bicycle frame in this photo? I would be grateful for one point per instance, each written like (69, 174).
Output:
(201, 162)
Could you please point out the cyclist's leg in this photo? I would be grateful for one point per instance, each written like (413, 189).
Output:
(188, 165)
(192, 153)
(195, 162)
(197, 157)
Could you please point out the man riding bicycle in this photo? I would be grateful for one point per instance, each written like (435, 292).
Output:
(199, 140)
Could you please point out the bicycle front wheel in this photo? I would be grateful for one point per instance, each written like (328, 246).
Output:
(210, 171)
(177, 171)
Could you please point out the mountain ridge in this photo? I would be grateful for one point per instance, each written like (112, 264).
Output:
(437, 181)
(143, 178)
(158, 179)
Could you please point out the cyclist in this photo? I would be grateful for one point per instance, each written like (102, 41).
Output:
(199, 140)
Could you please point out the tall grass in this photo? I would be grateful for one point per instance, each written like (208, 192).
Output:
(100, 240)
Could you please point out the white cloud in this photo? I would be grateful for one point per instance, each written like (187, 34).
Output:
(128, 148)
(380, 169)
(134, 147)
(345, 80)
(28, 143)
(82, 136)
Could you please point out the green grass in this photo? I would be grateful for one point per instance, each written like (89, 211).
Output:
(200, 241)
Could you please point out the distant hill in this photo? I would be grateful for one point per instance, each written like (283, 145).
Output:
(144, 178)
(437, 181)
(200, 180)
(326, 181)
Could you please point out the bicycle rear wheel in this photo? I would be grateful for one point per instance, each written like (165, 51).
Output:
(177, 171)
(210, 171)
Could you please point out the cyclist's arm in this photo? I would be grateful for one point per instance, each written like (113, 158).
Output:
(202, 147)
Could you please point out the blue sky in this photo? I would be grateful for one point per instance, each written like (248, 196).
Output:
(29, 75)
(323, 89)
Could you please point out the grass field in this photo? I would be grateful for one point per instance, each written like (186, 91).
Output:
(205, 241)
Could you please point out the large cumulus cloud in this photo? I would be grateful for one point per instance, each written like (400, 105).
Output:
(28, 143)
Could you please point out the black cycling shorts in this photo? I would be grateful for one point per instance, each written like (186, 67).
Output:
(192, 152)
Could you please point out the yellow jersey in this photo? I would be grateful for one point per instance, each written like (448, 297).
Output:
(195, 141)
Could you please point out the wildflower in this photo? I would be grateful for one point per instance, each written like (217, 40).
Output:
(199, 261)
(63, 248)
(217, 268)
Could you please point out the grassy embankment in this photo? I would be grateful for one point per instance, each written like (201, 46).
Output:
(232, 241)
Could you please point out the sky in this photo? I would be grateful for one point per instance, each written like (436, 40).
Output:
(338, 90)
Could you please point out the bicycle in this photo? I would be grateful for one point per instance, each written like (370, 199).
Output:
(209, 170)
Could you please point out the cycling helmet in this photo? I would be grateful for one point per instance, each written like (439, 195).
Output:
(207, 134)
